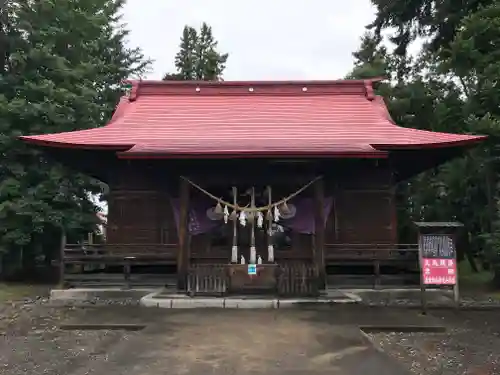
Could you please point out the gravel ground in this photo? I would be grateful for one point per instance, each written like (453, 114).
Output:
(412, 297)
(471, 345)
(32, 343)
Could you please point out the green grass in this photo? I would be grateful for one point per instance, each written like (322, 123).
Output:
(470, 279)
(476, 283)
(12, 292)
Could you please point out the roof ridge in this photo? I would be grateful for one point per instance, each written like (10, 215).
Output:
(256, 82)
(362, 87)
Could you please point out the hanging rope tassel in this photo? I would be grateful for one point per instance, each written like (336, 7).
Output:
(253, 254)
(253, 250)
(270, 248)
(234, 254)
(226, 214)
(233, 217)
(270, 253)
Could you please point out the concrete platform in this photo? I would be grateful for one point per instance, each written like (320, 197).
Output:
(404, 297)
(93, 294)
(161, 299)
(169, 298)
(165, 298)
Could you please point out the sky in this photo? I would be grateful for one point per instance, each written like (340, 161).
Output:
(265, 39)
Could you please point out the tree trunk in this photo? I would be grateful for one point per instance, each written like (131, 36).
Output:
(496, 277)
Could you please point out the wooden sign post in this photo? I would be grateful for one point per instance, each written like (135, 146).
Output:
(438, 257)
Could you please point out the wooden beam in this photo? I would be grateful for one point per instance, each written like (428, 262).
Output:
(394, 216)
(319, 235)
(183, 232)
(210, 179)
(336, 218)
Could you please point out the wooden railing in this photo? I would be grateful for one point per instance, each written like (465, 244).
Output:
(117, 253)
(207, 279)
(298, 279)
(294, 265)
(295, 279)
(371, 252)
(376, 256)
(86, 264)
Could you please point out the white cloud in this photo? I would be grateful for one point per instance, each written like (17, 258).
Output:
(265, 39)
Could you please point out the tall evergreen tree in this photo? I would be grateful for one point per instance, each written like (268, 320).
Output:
(371, 59)
(452, 87)
(198, 57)
(437, 20)
(63, 62)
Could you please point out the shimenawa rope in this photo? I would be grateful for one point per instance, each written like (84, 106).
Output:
(252, 209)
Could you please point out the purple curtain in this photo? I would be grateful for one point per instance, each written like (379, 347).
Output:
(303, 221)
(198, 221)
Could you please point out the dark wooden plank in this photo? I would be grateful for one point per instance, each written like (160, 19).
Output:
(125, 247)
(88, 255)
(319, 235)
(183, 253)
(121, 254)
(113, 276)
(120, 262)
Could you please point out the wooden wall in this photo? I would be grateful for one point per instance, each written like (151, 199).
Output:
(139, 210)
(363, 211)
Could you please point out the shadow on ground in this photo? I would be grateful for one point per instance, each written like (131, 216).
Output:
(214, 341)
(320, 340)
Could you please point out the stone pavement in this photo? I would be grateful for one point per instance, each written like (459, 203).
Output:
(164, 299)
(274, 342)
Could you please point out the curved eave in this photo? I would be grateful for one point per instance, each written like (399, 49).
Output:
(34, 140)
(470, 141)
(137, 151)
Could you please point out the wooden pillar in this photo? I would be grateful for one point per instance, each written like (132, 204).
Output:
(62, 265)
(319, 235)
(336, 222)
(183, 232)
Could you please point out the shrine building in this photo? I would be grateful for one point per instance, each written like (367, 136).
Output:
(207, 178)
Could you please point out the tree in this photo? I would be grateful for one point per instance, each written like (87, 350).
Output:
(371, 59)
(436, 20)
(62, 67)
(472, 56)
(455, 79)
(198, 57)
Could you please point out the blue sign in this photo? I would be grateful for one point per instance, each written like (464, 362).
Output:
(252, 269)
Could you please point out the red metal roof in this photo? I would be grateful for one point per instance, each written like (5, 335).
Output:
(308, 118)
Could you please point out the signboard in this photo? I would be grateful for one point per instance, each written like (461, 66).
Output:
(252, 269)
(439, 271)
(438, 258)
(437, 246)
